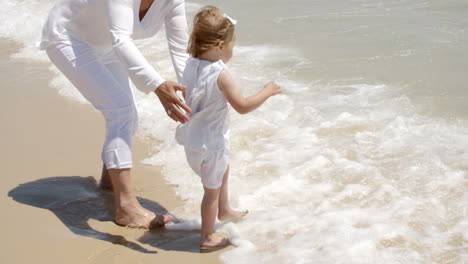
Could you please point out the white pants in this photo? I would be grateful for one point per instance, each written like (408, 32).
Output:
(104, 82)
(209, 165)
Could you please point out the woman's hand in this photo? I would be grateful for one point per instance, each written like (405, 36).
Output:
(166, 93)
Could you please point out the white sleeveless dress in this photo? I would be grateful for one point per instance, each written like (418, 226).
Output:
(206, 136)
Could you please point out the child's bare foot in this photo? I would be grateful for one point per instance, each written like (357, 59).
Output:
(231, 215)
(214, 241)
(140, 218)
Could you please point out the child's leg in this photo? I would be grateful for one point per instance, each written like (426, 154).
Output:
(209, 208)
(225, 212)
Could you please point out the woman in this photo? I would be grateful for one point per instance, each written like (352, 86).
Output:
(91, 43)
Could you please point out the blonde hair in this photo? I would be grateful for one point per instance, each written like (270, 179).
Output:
(210, 27)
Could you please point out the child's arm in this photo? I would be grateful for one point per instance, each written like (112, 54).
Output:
(244, 105)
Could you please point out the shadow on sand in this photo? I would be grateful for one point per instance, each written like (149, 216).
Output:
(77, 201)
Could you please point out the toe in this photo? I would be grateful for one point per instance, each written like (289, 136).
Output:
(160, 221)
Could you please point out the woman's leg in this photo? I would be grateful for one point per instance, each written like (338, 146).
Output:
(98, 85)
(106, 182)
(128, 211)
(128, 208)
(121, 76)
(225, 213)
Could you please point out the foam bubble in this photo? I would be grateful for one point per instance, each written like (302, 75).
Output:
(22, 22)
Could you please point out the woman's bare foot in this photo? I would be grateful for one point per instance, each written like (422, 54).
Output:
(140, 218)
(128, 211)
(213, 241)
(105, 183)
(231, 215)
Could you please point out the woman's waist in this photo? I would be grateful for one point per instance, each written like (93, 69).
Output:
(100, 39)
(81, 20)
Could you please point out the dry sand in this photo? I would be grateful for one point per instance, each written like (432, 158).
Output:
(52, 210)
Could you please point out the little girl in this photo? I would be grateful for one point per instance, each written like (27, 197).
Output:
(210, 88)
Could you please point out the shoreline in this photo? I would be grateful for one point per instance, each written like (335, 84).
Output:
(53, 209)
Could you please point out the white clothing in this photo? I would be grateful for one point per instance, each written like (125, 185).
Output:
(208, 127)
(206, 135)
(209, 165)
(109, 26)
(106, 86)
(90, 42)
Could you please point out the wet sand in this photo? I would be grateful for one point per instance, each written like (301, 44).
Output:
(52, 209)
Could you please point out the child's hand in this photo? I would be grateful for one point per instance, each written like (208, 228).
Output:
(272, 88)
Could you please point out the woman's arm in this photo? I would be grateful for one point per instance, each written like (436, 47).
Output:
(244, 105)
(177, 37)
(142, 74)
(121, 19)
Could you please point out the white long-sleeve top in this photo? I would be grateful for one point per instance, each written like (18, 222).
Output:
(107, 25)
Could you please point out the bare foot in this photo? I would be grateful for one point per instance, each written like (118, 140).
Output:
(214, 241)
(105, 183)
(140, 218)
(231, 215)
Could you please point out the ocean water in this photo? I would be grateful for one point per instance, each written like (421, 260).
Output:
(362, 159)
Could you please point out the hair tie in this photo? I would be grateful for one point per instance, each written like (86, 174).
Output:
(233, 21)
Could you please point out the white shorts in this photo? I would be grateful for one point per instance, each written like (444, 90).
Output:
(209, 165)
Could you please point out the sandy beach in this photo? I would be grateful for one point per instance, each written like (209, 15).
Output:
(53, 211)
